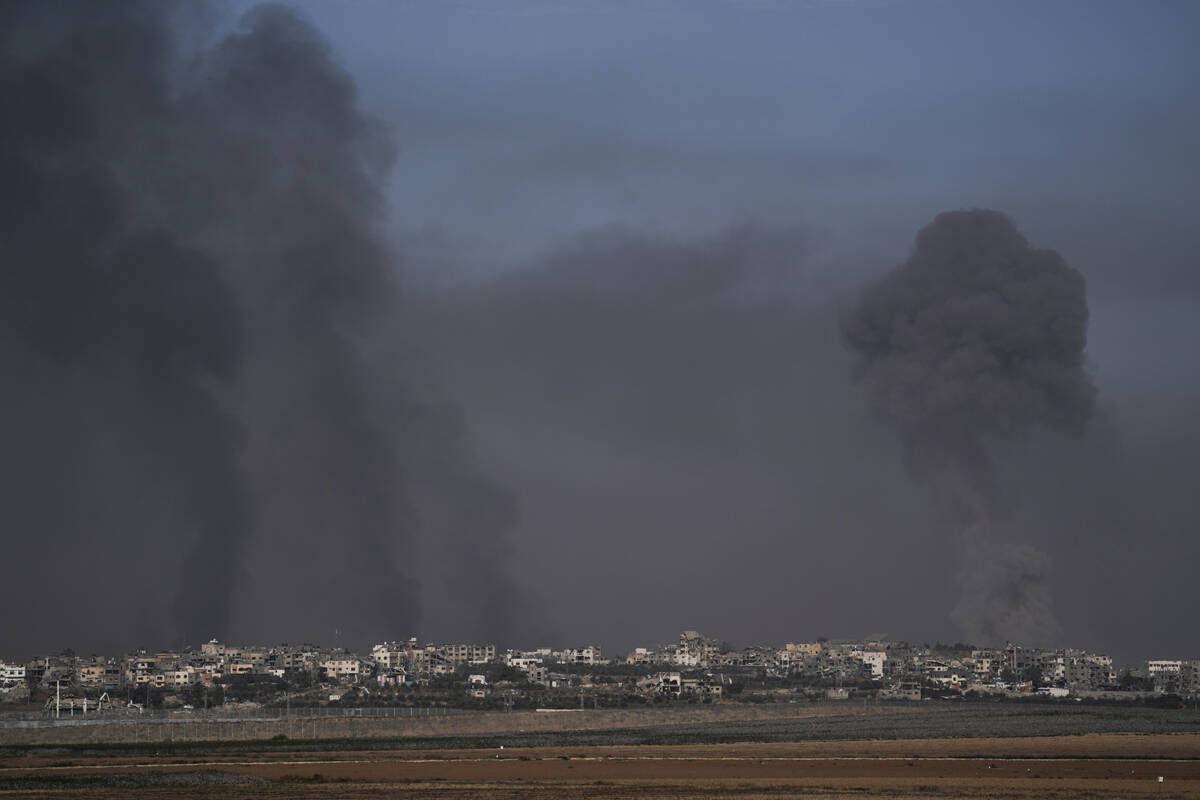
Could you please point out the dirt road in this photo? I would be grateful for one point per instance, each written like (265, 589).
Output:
(1099, 766)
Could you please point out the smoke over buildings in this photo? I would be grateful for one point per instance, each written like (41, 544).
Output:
(548, 341)
(193, 276)
(977, 337)
(671, 412)
(117, 331)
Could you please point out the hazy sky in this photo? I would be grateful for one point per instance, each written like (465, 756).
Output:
(522, 124)
(611, 401)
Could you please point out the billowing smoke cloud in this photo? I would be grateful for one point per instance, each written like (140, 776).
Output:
(1006, 593)
(287, 174)
(112, 326)
(977, 337)
(194, 287)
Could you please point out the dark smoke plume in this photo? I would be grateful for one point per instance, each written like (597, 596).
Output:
(193, 286)
(288, 175)
(977, 337)
(107, 317)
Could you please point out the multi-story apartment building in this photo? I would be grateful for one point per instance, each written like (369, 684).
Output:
(244, 668)
(1161, 667)
(1077, 669)
(1189, 678)
(581, 655)
(872, 659)
(101, 673)
(804, 649)
(1168, 675)
(521, 660)
(986, 665)
(60, 674)
(180, 678)
(641, 655)
(699, 649)
(468, 653)
(344, 667)
(387, 654)
(290, 659)
(212, 648)
(138, 669)
(35, 668)
(537, 673)
(428, 661)
(1025, 660)
(11, 674)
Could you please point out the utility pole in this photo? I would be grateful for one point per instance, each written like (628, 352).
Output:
(57, 698)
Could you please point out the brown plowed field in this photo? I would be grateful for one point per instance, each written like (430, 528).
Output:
(1095, 766)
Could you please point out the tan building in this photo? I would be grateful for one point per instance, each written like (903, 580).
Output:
(803, 649)
(342, 669)
(91, 674)
(468, 653)
(182, 677)
(213, 648)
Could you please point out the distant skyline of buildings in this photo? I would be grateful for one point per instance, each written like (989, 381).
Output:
(693, 664)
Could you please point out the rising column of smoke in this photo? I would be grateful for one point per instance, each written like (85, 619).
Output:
(192, 249)
(284, 178)
(469, 517)
(977, 337)
(112, 329)
(347, 461)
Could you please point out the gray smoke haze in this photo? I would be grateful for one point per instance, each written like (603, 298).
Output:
(1006, 594)
(198, 419)
(287, 172)
(115, 330)
(977, 337)
(602, 396)
(672, 415)
(706, 463)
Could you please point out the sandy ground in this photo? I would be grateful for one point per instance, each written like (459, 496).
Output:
(1094, 766)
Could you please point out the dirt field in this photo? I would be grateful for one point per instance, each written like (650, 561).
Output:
(719, 716)
(1093, 766)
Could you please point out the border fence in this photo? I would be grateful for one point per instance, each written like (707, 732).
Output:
(117, 715)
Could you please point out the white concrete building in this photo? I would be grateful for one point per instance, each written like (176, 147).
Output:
(11, 674)
(582, 655)
(1159, 667)
(873, 659)
(468, 653)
